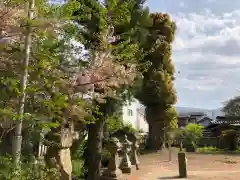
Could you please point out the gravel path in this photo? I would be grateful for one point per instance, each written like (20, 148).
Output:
(200, 167)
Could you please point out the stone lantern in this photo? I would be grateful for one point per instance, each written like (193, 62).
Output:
(126, 163)
(112, 172)
(134, 156)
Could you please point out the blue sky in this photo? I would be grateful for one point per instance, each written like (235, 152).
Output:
(206, 50)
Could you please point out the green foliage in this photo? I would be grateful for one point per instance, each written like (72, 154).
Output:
(30, 171)
(232, 107)
(156, 88)
(45, 75)
(115, 124)
(173, 134)
(128, 127)
(78, 161)
(78, 169)
(80, 150)
(51, 99)
(192, 133)
(171, 119)
(209, 149)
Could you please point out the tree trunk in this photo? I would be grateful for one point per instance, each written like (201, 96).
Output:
(156, 129)
(155, 138)
(17, 141)
(94, 149)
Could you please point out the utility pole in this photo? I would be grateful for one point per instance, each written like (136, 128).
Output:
(17, 142)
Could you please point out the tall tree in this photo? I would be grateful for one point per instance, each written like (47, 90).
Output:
(157, 91)
(50, 101)
(23, 84)
(109, 31)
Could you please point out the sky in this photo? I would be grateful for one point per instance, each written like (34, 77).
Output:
(206, 50)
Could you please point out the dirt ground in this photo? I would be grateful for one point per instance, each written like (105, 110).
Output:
(200, 167)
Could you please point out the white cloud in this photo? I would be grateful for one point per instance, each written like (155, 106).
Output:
(207, 54)
(206, 49)
(182, 4)
(211, 1)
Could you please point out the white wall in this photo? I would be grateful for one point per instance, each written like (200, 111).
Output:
(130, 119)
(142, 123)
(137, 120)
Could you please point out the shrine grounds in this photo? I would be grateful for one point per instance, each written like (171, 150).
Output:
(156, 166)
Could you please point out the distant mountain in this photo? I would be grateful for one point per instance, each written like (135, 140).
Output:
(211, 113)
(189, 109)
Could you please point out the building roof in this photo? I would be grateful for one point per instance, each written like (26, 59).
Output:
(205, 119)
(228, 118)
(222, 120)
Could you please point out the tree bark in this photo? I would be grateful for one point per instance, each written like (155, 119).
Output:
(94, 149)
(155, 138)
(156, 129)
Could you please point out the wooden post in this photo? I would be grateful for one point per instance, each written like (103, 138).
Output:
(182, 163)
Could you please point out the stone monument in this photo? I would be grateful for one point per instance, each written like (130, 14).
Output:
(125, 165)
(58, 155)
(134, 156)
(112, 172)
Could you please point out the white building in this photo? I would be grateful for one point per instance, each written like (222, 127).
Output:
(133, 113)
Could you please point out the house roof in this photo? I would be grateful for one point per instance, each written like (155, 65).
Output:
(228, 118)
(205, 119)
(220, 121)
(215, 126)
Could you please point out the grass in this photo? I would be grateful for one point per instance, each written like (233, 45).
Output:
(211, 149)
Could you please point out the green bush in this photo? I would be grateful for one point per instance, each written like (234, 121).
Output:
(209, 149)
(238, 149)
(29, 171)
(192, 133)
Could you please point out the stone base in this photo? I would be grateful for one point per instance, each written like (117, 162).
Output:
(111, 175)
(126, 170)
(110, 178)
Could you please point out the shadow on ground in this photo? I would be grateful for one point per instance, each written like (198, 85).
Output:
(169, 177)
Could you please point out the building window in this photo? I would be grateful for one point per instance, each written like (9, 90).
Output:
(130, 112)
